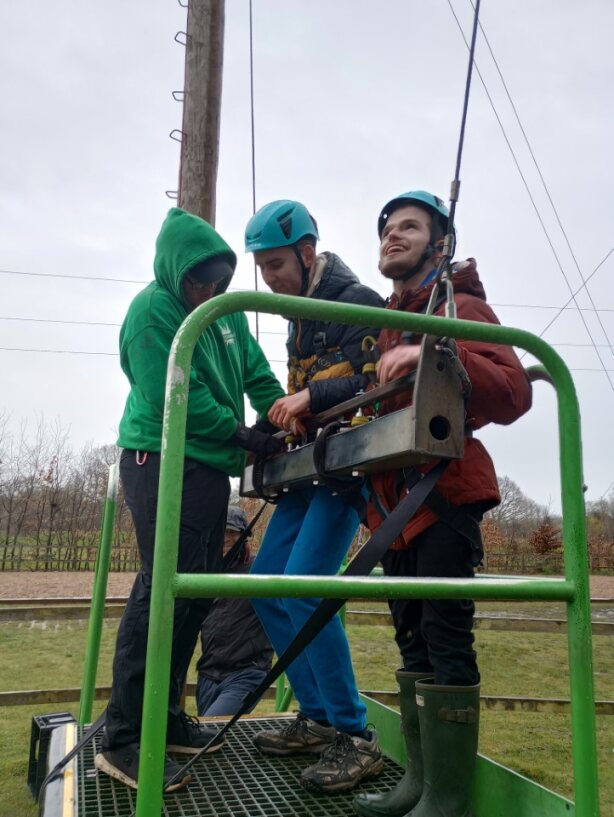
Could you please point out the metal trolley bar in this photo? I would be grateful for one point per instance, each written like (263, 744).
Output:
(167, 583)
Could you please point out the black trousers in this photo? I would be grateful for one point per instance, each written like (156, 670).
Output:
(435, 635)
(201, 538)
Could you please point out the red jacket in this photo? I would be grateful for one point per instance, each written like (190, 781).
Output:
(500, 393)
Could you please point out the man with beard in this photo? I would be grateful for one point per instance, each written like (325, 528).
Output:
(439, 679)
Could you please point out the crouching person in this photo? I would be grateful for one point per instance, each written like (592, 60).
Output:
(236, 653)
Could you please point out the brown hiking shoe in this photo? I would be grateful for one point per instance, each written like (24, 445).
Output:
(344, 763)
(301, 736)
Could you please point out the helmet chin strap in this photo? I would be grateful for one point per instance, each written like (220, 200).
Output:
(428, 253)
(305, 270)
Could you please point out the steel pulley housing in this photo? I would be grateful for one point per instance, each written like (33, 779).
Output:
(431, 428)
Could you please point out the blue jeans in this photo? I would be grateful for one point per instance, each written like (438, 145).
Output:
(225, 697)
(309, 534)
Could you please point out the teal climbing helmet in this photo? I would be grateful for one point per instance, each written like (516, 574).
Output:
(421, 198)
(279, 224)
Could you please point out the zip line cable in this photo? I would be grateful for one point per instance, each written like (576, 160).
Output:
(253, 138)
(95, 323)
(532, 200)
(559, 309)
(83, 352)
(449, 246)
(565, 306)
(263, 332)
(73, 277)
(607, 491)
(546, 188)
(116, 354)
(239, 289)
(461, 139)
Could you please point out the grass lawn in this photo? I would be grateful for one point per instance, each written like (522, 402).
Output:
(524, 664)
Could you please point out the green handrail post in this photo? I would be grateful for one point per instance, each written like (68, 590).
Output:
(283, 694)
(167, 583)
(99, 595)
(280, 688)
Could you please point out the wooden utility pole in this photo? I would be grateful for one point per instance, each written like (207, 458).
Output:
(201, 108)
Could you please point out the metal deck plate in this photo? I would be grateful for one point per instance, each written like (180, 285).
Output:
(238, 780)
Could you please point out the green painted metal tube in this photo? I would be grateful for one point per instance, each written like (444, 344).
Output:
(283, 694)
(169, 501)
(99, 594)
(218, 585)
(280, 688)
(579, 627)
(286, 700)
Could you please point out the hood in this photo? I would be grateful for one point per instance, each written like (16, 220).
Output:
(184, 241)
(464, 276)
(335, 278)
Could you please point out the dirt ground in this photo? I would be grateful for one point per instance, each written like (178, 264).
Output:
(50, 585)
(43, 585)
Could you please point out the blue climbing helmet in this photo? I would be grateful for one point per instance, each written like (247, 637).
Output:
(420, 198)
(282, 223)
(279, 224)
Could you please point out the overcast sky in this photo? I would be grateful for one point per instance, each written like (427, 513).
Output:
(355, 103)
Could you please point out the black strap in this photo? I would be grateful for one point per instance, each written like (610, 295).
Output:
(350, 488)
(236, 548)
(456, 517)
(361, 565)
(258, 479)
(85, 739)
(95, 728)
(91, 733)
(408, 336)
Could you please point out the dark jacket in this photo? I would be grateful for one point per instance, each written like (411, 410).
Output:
(232, 637)
(500, 393)
(321, 353)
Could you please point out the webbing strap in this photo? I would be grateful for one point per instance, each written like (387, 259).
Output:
(361, 565)
(229, 558)
(350, 488)
(86, 738)
(91, 733)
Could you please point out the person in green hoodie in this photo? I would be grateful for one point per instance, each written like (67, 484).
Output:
(192, 264)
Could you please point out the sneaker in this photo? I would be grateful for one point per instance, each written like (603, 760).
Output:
(188, 736)
(301, 736)
(344, 763)
(123, 765)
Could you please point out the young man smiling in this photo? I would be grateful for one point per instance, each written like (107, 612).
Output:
(439, 680)
(312, 529)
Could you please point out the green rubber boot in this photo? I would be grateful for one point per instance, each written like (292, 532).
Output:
(405, 795)
(449, 721)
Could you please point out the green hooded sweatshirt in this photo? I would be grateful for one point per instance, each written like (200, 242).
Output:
(227, 361)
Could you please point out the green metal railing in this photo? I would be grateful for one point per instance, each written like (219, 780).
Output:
(168, 584)
(99, 595)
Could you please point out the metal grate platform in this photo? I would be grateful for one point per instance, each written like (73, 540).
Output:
(236, 781)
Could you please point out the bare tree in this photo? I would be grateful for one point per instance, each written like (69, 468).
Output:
(517, 515)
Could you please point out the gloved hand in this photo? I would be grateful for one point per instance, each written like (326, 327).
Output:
(251, 439)
(265, 427)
